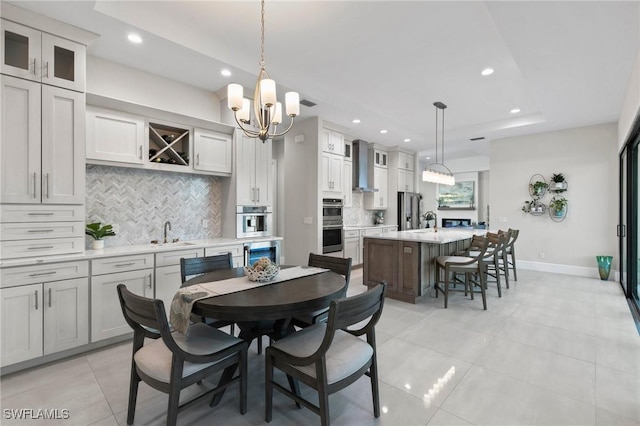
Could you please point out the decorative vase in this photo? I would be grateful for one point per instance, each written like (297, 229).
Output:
(604, 266)
(97, 244)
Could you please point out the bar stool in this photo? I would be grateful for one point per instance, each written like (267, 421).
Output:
(464, 264)
(510, 251)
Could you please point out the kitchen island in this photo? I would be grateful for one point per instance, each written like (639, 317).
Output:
(406, 259)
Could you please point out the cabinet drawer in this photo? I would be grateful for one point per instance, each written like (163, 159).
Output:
(32, 248)
(41, 213)
(39, 231)
(121, 264)
(235, 249)
(351, 234)
(169, 258)
(22, 275)
(372, 231)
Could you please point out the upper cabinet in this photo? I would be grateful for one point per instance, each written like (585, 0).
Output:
(332, 142)
(406, 161)
(212, 151)
(379, 158)
(254, 183)
(43, 144)
(114, 136)
(332, 163)
(39, 56)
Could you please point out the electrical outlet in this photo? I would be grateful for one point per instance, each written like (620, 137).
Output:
(205, 223)
(542, 255)
(116, 228)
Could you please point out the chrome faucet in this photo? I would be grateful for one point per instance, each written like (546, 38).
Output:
(167, 223)
(432, 214)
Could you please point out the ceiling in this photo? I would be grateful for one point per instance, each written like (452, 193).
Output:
(563, 64)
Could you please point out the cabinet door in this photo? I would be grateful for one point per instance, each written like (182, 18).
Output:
(167, 284)
(212, 151)
(352, 250)
(20, 152)
(263, 179)
(106, 315)
(325, 167)
(21, 337)
(347, 180)
(245, 170)
(66, 314)
(114, 136)
(380, 182)
(63, 145)
(21, 47)
(405, 180)
(337, 170)
(63, 63)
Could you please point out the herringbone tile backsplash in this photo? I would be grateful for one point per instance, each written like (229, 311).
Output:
(141, 201)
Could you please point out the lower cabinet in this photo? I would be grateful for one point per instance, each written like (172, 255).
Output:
(136, 272)
(352, 247)
(237, 253)
(168, 273)
(44, 318)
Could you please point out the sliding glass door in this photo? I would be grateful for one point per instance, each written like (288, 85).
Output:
(629, 226)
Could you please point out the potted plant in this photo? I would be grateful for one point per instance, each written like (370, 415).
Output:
(98, 232)
(558, 183)
(558, 205)
(538, 188)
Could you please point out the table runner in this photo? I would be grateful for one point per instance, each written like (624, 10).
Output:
(182, 303)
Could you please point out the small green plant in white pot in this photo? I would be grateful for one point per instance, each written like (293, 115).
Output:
(98, 232)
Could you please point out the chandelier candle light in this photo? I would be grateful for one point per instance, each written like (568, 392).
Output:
(439, 176)
(267, 110)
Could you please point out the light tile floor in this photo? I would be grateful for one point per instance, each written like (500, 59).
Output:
(554, 350)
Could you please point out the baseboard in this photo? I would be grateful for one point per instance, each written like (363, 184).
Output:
(580, 271)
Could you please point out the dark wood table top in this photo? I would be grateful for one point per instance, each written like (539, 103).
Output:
(281, 300)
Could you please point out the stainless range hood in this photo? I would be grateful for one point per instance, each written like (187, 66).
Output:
(361, 167)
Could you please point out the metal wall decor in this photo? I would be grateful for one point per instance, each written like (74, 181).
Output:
(558, 205)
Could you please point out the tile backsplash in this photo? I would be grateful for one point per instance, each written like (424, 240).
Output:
(357, 215)
(139, 202)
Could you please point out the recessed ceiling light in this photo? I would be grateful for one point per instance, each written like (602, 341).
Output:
(487, 71)
(383, 131)
(427, 158)
(355, 121)
(225, 72)
(134, 38)
(407, 140)
(515, 110)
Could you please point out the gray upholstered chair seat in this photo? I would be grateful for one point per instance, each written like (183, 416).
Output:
(154, 358)
(442, 260)
(346, 355)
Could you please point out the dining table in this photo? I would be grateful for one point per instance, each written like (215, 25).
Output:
(269, 308)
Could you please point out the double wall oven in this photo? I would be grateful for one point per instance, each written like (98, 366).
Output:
(332, 225)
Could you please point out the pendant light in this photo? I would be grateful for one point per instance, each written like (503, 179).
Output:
(267, 111)
(437, 172)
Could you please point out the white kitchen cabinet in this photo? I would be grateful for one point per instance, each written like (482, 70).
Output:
(134, 271)
(405, 180)
(377, 200)
(168, 278)
(30, 54)
(332, 172)
(347, 180)
(254, 183)
(332, 142)
(115, 136)
(379, 157)
(406, 161)
(352, 246)
(236, 250)
(43, 144)
(212, 151)
(44, 317)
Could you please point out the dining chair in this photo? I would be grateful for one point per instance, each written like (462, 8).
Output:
(511, 251)
(201, 265)
(329, 356)
(171, 361)
(467, 266)
(335, 264)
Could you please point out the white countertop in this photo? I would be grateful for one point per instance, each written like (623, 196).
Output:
(358, 227)
(442, 236)
(131, 249)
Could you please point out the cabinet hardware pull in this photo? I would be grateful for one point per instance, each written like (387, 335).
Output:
(34, 66)
(40, 274)
(124, 264)
(40, 214)
(150, 284)
(40, 248)
(49, 296)
(141, 152)
(46, 176)
(35, 176)
(46, 67)
(198, 159)
(36, 300)
(258, 190)
(40, 230)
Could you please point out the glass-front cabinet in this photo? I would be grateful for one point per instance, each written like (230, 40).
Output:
(38, 56)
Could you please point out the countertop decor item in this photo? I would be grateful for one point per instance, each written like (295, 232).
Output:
(604, 266)
(262, 271)
(98, 232)
(267, 111)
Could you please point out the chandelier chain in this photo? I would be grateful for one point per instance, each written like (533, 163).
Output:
(262, 36)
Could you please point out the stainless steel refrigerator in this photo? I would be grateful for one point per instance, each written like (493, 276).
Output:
(408, 210)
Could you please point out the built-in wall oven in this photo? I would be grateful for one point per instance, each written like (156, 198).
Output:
(332, 225)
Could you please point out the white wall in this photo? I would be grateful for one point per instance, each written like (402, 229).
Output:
(631, 104)
(587, 157)
(116, 81)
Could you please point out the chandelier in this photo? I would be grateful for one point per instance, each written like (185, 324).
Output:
(437, 172)
(267, 110)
